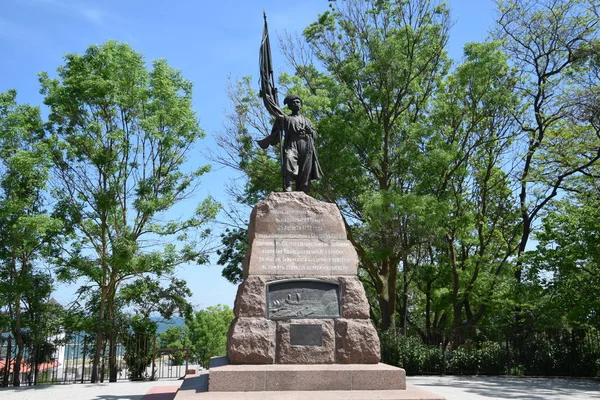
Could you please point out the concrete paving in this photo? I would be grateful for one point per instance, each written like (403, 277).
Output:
(451, 387)
(122, 390)
(507, 388)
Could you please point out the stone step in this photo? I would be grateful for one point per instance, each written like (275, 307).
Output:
(304, 377)
(196, 388)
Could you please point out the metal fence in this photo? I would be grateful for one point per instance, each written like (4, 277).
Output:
(67, 358)
(492, 351)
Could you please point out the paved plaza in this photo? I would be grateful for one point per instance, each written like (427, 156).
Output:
(452, 387)
(507, 388)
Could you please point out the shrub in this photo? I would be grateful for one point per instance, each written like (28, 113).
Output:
(410, 353)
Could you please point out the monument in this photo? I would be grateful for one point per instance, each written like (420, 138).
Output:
(301, 301)
(301, 314)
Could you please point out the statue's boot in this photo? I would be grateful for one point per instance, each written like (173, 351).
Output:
(287, 183)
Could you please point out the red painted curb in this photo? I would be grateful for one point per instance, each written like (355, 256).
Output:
(161, 393)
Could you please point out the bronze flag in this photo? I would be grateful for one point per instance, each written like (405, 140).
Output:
(267, 82)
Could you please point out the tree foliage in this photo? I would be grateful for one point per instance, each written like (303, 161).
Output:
(547, 41)
(139, 350)
(565, 264)
(28, 234)
(440, 169)
(443, 171)
(207, 333)
(175, 338)
(122, 137)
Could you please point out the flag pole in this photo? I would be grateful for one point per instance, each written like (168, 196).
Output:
(271, 80)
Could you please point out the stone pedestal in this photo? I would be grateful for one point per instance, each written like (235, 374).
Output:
(301, 315)
(305, 377)
(301, 301)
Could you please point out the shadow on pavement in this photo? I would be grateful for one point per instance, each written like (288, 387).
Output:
(25, 388)
(514, 388)
(196, 384)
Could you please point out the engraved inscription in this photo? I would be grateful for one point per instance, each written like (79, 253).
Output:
(302, 298)
(299, 240)
(285, 211)
(290, 256)
(306, 335)
(298, 224)
(301, 235)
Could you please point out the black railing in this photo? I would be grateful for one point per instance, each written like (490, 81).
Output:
(489, 351)
(67, 358)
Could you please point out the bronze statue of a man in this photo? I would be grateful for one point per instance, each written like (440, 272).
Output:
(300, 162)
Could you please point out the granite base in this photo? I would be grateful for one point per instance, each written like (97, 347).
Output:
(196, 388)
(226, 377)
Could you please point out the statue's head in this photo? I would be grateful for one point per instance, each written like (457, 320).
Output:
(291, 99)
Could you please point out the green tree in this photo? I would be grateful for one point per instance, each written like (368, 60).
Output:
(413, 155)
(45, 320)
(565, 264)
(122, 138)
(382, 61)
(440, 172)
(139, 351)
(175, 337)
(207, 332)
(28, 232)
(562, 272)
(466, 264)
(151, 298)
(231, 254)
(547, 40)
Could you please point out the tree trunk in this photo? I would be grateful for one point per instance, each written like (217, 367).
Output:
(7, 364)
(112, 356)
(387, 313)
(526, 231)
(387, 294)
(99, 336)
(112, 336)
(428, 312)
(456, 303)
(405, 284)
(97, 354)
(19, 342)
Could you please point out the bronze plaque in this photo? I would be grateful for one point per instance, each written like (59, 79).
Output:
(306, 335)
(303, 299)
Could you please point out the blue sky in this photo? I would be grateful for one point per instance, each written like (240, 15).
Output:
(207, 40)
